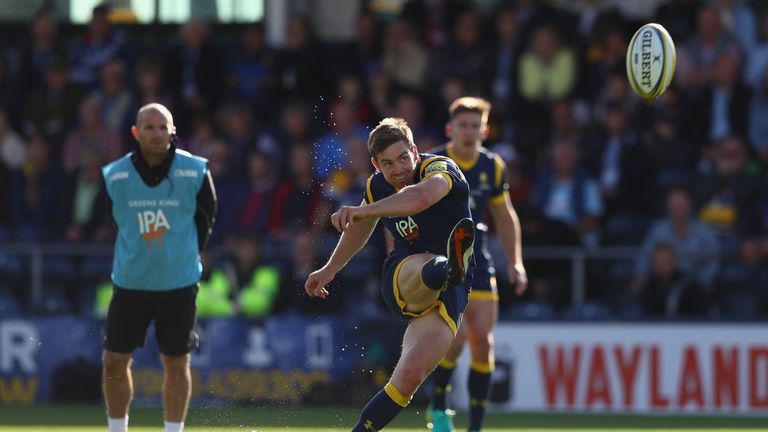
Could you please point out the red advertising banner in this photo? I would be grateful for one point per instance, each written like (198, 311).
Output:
(653, 368)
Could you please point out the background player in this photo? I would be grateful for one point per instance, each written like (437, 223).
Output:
(424, 202)
(163, 203)
(487, 177)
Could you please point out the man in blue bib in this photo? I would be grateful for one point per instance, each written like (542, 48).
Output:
(163, 203)
(423, 200)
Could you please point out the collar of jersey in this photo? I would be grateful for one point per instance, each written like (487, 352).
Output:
(465, 165)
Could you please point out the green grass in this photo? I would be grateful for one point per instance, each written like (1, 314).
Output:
(90, 418)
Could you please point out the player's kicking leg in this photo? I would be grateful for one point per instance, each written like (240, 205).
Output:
(440, 273)
(425, 341)
(477, 328)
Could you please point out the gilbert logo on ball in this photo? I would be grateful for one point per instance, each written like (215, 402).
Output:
(651, 59)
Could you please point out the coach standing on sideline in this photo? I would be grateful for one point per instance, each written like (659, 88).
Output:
(163, 203)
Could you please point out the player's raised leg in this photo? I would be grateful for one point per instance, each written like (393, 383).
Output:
(425, 342)
(440, 273)
(117, 383)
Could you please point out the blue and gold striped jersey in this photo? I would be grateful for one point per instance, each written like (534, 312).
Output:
(429, 230)
(487, 178)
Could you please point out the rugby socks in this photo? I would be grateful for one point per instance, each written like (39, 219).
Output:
(433, 273)
(384, 407)
(479, 384)
(118, 424)
(173, 426)
(442, 379)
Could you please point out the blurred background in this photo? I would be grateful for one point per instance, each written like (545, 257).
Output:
(653, 257)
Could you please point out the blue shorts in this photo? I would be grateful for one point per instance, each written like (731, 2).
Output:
(450, 303)
(484, 281)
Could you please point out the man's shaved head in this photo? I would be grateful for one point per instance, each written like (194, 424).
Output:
(156, 108)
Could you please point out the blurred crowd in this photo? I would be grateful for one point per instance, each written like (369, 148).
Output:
(680, 178)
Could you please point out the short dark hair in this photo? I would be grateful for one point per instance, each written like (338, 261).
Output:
(389, 131)
(470, 104)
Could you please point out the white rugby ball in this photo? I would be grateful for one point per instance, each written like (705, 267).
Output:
(651, 60)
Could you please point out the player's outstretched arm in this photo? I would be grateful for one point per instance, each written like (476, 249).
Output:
(508, 229)
(353, 237)
(411, 199)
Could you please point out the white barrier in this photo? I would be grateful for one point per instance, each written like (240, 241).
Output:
(633, 368)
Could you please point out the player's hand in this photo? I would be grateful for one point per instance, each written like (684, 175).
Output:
(316, 282)
(518, 277)
(345, 216)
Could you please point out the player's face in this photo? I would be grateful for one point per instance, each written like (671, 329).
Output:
(467, 130)
(153, 134)
(398, 164)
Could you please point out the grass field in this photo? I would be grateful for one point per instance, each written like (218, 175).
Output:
(90, 418)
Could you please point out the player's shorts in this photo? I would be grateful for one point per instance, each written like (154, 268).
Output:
(484, 281)
(450, 303)
(131, 312)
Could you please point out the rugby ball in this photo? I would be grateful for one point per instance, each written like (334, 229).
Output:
(651, 60)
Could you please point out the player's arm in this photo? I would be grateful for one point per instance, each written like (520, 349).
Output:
(353, 238)
(411, 199)
(508, 226)
(508, 229)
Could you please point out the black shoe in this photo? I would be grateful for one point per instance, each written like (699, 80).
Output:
(460, 249)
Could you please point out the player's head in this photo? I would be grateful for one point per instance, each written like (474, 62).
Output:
(154, 129)
(393, 151)
(469, 122)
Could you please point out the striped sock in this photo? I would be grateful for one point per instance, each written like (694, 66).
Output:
(479, 384)
(380, 410)
(442, 379)
(433, 273)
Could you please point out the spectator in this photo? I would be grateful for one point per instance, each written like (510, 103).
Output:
(547, 69)
(250, 69)
(193, 71)
(215, 293)
(100, 45)
(149, 83)
(668, 292)
(405, 60)
(698, 55)
(51, 109)
(117, 99)
(464, 56)
(261, 179)
(693, 244)
(565, 193)
(229, 193)
(258, 282)
(202, 138)
(296, 126)
(298, 204)
(724, 108)
(85, 201)
(39, 52)
(35, 195)
(91, 136)
(408, 106)
(245, 134)
(728, 196)
(738, 19)
(332, 149)
(623, 166)
(300, 65)
(501, 75)
(361, 56)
